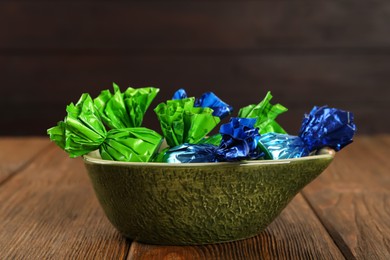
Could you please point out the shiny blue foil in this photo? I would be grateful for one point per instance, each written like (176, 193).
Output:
(325, 126)
(239, 140)
(208, 99)
(189, 153)
(179, 94)
(282, 146)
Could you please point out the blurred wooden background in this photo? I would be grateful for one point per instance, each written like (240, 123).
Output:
(306, 52)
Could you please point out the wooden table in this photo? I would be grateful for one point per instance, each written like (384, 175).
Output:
(48, 210)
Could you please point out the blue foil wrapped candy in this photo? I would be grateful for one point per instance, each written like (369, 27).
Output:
(322, 127)
(325, 126)
(239, 140)
(282, 146)
(208, 99)
(188, 153)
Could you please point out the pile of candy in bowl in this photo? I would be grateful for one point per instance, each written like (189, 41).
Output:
(112, 124)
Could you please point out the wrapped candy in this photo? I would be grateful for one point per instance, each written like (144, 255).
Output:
(208, 99)
(186, 123)
(322, 127)
(188, 153)
(282, 146)
(82, 131)
(239, 140)
(136, 144)
(265, 115)
(181, 122)
(123, 110)
(325, 126)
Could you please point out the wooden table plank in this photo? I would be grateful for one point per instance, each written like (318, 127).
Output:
(16, 153)
(49, 210)
(352, 198)
(295, 234)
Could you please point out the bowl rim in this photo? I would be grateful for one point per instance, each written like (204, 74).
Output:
(324, 153)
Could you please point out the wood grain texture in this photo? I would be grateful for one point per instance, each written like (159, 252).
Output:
(295, 234)
(17, 153)
(49, 211)
(187, 25)
(352, 198)
(38, 88)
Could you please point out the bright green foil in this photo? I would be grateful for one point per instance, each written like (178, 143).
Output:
(266, 114)
(214, 140)
(127, 109)
(137, 144)
(181, 122)
(82, 130)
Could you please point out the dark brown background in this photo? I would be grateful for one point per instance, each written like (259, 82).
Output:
(306, 52)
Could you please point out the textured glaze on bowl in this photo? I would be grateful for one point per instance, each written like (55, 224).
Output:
(202, 203)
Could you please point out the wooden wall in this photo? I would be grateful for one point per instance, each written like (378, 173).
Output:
(306, 52)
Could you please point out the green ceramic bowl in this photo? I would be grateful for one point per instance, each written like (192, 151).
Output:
(199, 203)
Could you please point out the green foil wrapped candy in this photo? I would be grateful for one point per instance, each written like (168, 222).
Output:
(266, 114)
(137, 144)
(82, 130)
(181, 122)
(124, 110)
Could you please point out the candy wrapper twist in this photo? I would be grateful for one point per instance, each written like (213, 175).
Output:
(181, 122)
(265, 114)
(123, 110)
